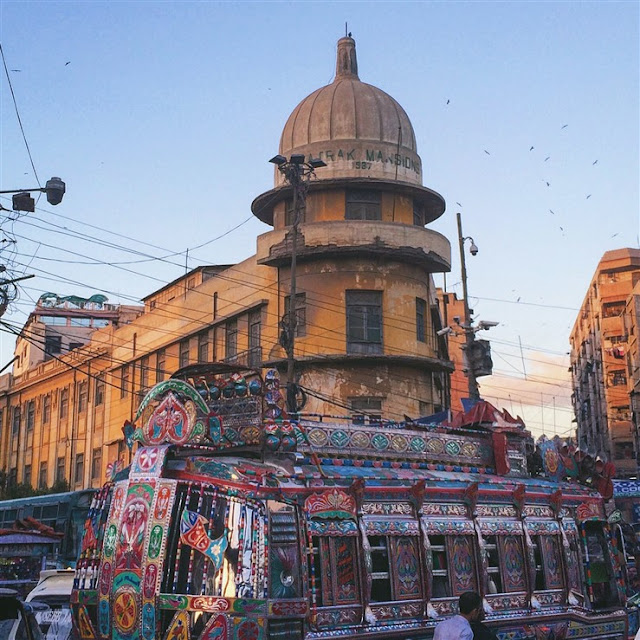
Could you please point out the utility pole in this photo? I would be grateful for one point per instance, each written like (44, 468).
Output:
(297, 172)
(470, 336)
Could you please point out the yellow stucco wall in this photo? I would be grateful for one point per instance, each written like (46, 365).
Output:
(402, 381)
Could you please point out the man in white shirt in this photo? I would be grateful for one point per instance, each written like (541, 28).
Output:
(459, 627)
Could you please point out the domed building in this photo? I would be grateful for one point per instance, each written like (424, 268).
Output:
(366, 338)
(367, 308)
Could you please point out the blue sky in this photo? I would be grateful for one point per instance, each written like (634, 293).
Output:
(164, 118)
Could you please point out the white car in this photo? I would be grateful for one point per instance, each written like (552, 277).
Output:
(54, 590)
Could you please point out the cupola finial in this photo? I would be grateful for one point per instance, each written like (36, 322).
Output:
(347, 63)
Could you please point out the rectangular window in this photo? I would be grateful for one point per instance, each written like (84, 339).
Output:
(161, 365)
(602, 575)
(366, 406)
(96, 464)
(380, 569)
(80, 322)
(42, 477)
(364, 321)
(231, 339)
(60, 469)
(99, 395)
(54, 321)
(395, 568)
(144, 373)
(289, 213)
(255, 330)
(623, 450)
(63, 412)
(183, 356)
(441, 585)
(612, 309)
(79, 471)
(301, 313)
(548, 562)
(124, 381)
(83, 396)
(363, 204)
(617, 378)
(53, 345)
(335, 562)
(448, 552)
(421, 316)
(203, 346)
(26, 474)
(31, 415)
(15, 422)
(237, 520)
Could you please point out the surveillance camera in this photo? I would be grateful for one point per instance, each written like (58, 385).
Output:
(473, 249)
(487, 324)
(444, 332)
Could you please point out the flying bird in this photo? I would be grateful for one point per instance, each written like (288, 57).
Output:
(595, 162)
(561, 229)
(16, 70)
(564, 126)
(448, 101)
(552, 213)
(518, 300)
(66, 63)
(615, 234)
(547, 183)
(487, 152)
(531, 148)
(547, 158)
(588, 196)
(458, 204)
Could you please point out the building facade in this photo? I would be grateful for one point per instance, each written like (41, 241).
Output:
(604, 363)
(366, 307)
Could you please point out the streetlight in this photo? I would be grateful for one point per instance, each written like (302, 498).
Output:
(296, 172)
(22, 200)
(474, 392)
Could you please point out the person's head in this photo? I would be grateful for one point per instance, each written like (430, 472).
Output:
(470, 606)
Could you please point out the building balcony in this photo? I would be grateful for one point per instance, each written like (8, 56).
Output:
(346, 238)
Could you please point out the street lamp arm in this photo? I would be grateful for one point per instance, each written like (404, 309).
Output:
(54, 188)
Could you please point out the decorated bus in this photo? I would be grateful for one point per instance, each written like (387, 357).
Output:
(235, 521)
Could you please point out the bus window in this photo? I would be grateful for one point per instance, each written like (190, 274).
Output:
(234, 527)
(512, 561)
(548, 562)
(335, 564)
(395, 568)
(441, 587)
(603, 584)
(284, 543)
(380, 569)
(493, 564)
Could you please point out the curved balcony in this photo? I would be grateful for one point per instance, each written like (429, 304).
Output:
(342, 238)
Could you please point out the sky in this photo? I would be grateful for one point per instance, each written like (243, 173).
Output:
(161, 117)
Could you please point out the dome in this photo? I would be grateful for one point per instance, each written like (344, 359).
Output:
(357, 129)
